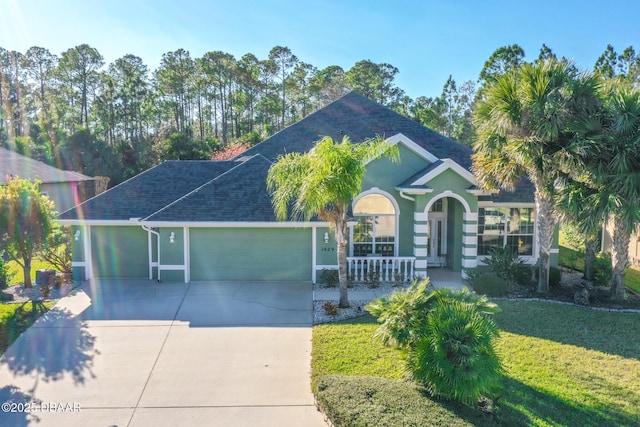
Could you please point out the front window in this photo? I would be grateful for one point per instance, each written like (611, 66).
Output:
(510, 227)
(375, 231)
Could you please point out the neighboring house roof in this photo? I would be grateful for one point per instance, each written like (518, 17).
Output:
(235, 190)
(13, 164)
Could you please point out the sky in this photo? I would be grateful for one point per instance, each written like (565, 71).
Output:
(426, 40)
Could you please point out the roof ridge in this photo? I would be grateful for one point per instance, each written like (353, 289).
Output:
(195, 190)
(297, 123)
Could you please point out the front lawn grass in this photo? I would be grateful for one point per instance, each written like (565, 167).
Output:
(16, 318)
(632, 279)
(564, 365)
(16, 273)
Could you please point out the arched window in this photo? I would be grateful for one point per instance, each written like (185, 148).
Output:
(375, 231)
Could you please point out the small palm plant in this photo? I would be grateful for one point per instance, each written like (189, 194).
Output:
(450, 337)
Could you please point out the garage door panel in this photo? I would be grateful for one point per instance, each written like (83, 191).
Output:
(250, 254)
(119, 252)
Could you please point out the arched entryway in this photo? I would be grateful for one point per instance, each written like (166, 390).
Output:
(449, 227)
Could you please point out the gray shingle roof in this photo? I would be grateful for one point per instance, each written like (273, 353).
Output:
(523, 193)
(239, 194)
(359, 118)
(16, 165)
(208, 191)
(149, 191)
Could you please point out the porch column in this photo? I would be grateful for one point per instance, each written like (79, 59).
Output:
(88, 261)
(469, 241)
(420, 241)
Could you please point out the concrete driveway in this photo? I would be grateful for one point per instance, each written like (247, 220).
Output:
(141, 353)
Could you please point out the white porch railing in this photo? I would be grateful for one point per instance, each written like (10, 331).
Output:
(387, 269)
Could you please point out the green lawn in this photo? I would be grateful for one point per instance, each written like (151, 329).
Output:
(574, 259)
(564, 366)
(17, 275)
(632, 279)
(16, 318)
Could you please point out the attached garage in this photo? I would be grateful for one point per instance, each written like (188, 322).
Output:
(119, 251)
(262, 254)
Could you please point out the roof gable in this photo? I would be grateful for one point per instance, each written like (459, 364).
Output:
(438, 168)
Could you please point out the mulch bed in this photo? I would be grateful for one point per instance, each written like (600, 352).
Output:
(20, 294)
(571, 283)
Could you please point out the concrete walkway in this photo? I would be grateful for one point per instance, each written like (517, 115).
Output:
(440, 278)
(138, 353)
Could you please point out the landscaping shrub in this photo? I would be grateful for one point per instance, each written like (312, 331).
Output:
(456, 358)
(572, 236)
(450, 337)
(506, 264)
(602, 271)
(371, 401)
(488, 283)
(330, 308)
(331, 278)
(5, 276)
(373, 277)
(57, 251)
(45, 290)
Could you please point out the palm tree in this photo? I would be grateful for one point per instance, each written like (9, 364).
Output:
(614, 158)
(323, 183)
(580, 202)
(523, 120)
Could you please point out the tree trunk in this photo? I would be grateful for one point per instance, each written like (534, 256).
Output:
(546, 225)
(619, 257)
(341, 240)
(590, 245)
(27, 272)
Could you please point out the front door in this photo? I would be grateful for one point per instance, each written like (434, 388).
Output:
(437, 239)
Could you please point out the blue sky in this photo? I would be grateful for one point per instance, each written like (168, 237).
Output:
(426, 40)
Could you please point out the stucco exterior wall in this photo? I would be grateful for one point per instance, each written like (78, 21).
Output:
(386, 175)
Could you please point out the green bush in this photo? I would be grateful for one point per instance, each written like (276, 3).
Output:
(455, 357)
(330, 308)
(488, 283)
(5, 276)
(331, 278)
(602, 271)
(450, 337)
(373, 278)
(506, 264)
(572, 236)
(371, 401)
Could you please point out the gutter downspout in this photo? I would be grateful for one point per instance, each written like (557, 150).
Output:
(404, 196)
(150, 230)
